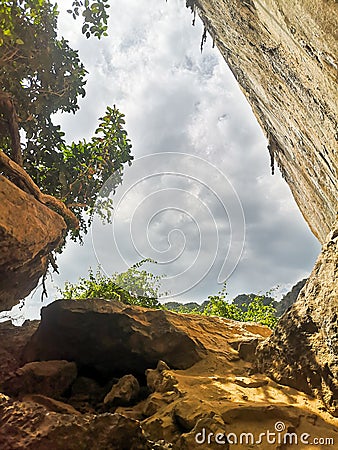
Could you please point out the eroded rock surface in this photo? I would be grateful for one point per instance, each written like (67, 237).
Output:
(110, 338)
(29, 231)
(284, 56)
(26, 425)
(50, 378)
(303, 351)
(220, 393)
(124, 392)
(12, 342)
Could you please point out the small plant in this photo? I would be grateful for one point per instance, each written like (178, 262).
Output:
(133, 287)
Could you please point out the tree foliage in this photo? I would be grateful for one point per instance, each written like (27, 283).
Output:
(254, 311)
(94, 15)
(43, 75)
(134, 287)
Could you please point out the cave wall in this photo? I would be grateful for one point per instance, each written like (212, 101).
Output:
(284, 57)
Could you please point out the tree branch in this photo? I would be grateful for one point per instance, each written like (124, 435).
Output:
(7, 109)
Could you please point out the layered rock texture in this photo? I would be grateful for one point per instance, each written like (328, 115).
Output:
(218, 393)
(303, 351)
(29, 231)
(284, 56)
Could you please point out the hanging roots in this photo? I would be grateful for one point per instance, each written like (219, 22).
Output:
(204, 38)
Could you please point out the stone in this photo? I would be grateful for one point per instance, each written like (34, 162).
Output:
(110, 338)
(160, 381)
(247, 349)
(25, 425)
(289, 299)
(209, 432)
(87, 389)
(156, 401)
(29, 231)
(187, 413)
(250, 382)
(51, 404)
(12, 342)
(303, 350)
(124, 392)
(50, 378)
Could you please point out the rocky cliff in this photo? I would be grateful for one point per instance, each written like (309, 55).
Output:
(29, 231)
(284, 56)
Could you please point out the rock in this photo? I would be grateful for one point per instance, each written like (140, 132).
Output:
(283, 56)
(24, 249)
(289, 299)
(110, 338)
(50, 378)
(187, 413)
(209, 432)
(247, 349)
(159, 381)
(87, 389)
(124, 392)
(32, 427)
(303, 350)
(51, 404)
(250, 382)
(12, 342)
(157, 401)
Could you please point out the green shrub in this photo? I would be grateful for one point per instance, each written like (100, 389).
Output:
(133, 287)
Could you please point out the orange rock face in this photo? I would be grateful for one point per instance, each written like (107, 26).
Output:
(29, 231)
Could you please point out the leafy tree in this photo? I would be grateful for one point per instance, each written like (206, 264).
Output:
(243, 300)
(258, 312)
(185, 308)
(135, 287)
(94, 14)
(254, 311)
(40, 74)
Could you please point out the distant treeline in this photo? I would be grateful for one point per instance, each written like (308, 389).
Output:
(242, 301)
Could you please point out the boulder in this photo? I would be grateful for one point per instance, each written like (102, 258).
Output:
(50, 378)
(158, 380)
(87, 389)
(209, 432)
(246, 349)
(51, 404)
(25, 425)
(12, 342)
(29, 231)
(108, 338)
(124, 392)
(303, 350)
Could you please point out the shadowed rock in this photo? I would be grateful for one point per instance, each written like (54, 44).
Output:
(108, 338)
(26, 425)
(50, 378)
(303, 350)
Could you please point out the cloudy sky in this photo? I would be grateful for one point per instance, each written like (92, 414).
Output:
(199, 198)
